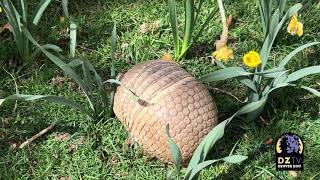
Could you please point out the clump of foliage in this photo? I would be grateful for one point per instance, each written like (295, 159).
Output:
(19, 18)
(89, 80)
(267, 77)
(191, 20)
(99, 103)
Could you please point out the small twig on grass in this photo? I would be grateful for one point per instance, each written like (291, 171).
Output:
(28, 141)
(228, 93)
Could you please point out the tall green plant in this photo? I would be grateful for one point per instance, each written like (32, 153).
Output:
(89, 81)
(192, 14)
(263, 81)
(19, 18)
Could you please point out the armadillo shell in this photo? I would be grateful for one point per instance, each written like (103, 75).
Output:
(171, 96)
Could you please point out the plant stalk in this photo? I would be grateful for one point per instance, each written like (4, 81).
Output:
(224, 35)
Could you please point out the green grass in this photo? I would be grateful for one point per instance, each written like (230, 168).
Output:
(103, 152)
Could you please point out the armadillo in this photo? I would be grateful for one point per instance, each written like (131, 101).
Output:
(168, 95)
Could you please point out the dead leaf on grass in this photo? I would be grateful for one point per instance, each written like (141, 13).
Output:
(65, 30)
(122, 174)
(269, 141)
(124, 45)
(128, 59)
(5, 27)
(72, 148)
(80, 140)
(62, 137)
(13, 146)
(72, 86)
(61, 19)
(145, 28)
(114, 160)
(65, 178)
(55, 156)
(293, 174)
(57, 81)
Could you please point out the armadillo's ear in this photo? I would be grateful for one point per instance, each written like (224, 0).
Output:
(119, 76)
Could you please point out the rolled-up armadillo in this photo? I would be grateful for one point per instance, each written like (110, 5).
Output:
(171, 96)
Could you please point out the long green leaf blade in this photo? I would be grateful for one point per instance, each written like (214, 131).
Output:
(54, 99)
(175, 151)
(113, 69)
(266, 48)
(39, 11)
(62, 65)
(16, 30)
(234, 159)
(189, 25)
(205, 24)
(174, 26)
(262, 18)
(52, 47)
(114, 40)
(198, 10)
(285, 60)
(248, 82)
(73, 39)
(65, 7)
(230, 159)
(131, 93)
(224, 74)
(193, 173)
(23, 10)
(302, 73)
(313, 91)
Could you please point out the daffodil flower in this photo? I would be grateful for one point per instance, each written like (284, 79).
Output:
(223, 54)
(252, 59)
(295, 27)
(0, 9)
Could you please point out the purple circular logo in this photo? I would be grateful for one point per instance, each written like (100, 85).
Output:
(289, 144)
(289, 152)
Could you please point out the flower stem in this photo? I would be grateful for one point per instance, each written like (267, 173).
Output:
(224, 35)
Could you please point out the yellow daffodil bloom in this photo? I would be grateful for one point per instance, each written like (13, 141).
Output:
(295, 27)
(252, 59)
(223, 54)
(0, 9)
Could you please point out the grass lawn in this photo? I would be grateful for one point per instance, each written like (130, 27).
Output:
(78, 148)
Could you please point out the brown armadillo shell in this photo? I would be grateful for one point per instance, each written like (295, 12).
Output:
(170, 96)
